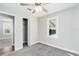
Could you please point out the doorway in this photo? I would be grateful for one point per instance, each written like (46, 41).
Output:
(6, 33)
(25, 32)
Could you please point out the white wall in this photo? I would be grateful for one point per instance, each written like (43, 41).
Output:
(18, 33)
(32, 25)
(68, 30)
(76, 28)
(33, 31)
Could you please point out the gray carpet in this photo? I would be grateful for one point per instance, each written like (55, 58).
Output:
(40, 50)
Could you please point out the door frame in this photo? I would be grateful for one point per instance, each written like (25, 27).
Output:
(12, 15)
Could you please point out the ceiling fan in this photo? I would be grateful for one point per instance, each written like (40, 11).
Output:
(37, 7)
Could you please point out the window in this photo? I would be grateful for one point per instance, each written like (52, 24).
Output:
(53, 26)
(7, 28)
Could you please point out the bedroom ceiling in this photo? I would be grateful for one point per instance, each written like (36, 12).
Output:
(51, 7)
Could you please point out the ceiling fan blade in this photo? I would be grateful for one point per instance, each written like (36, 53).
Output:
(26, 4)
(29, 9)
(33, 11)
(45, 10)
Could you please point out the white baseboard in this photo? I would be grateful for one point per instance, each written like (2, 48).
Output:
(18, 48)
(34, 43)
(60, 47)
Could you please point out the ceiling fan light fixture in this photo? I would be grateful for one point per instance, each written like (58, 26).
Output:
(38, 8)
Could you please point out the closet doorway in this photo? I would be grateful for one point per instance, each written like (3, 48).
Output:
(25, 32)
